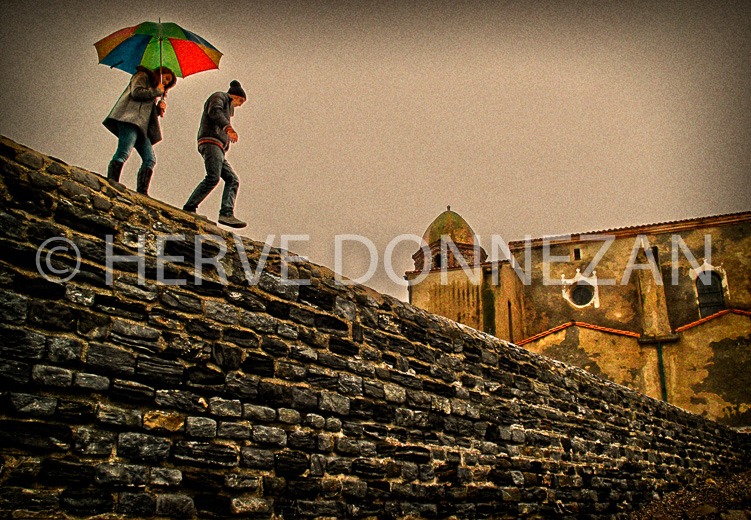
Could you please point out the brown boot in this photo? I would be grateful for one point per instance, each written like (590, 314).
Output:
(143, 179)
(114, 169)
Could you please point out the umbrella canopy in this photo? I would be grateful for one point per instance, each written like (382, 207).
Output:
(155, 44)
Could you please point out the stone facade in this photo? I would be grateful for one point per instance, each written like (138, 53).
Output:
(624, 304)
(257, 398)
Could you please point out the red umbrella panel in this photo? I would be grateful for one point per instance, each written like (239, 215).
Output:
(155, 44)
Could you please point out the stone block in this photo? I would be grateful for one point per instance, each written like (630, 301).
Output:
(231, 430)
(259, 322)
(303, 353)
(241, 385)
(129, 391)
(289, 416)
(87, 502)
(64, 350)
(166, 421)
(222, 312)
(205, 454)
(350, 385)
(347, 446)
(203, 330)
(331, 325)
(110, 359)
(287, 330)
(175, 506)
(166, 477)
(241, 482)
(14, 373)
(257, 458)
(225, 407)
(52, 315)
(291, 463)
(142, 447)
(304, 399)
(182, 301)
(112, 415)
(260, 364)
(344, 347)
(200, 427)
(290, 371)
(23, 499)
(33, 405)
(121, 475)
(258, 413)
(302, 440)
(394, 393)
(227, 356)
(138, 505)
(274, 347)
(13, 307)
(181, 400)
(156, 369)
(335, 403)
(31, 159)
(247, 300)
(368, 469)
(417, 454)
(278, 286)
(35, 435)
(275, 393)
(94, 443)
(251, 506)
(21, 343)
(333, 424)
(269, 435)
(71, 472)
(315, 421)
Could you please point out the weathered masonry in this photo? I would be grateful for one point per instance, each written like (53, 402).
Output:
(267, 399)
(662, 308)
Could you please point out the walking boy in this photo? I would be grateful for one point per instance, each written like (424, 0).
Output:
(214, 137)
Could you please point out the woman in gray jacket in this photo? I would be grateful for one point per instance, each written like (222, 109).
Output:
(134, 120)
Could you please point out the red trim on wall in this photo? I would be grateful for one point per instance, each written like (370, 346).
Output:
(713, 316)
(578, 324)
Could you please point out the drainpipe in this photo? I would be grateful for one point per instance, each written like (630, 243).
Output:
(659, 340)
(662, 372)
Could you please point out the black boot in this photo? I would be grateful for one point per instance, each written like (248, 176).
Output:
(114, 169)
(143, 179)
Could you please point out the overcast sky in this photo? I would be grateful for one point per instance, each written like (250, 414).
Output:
(369, 118)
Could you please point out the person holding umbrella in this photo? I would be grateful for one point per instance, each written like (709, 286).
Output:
(135, 121)
(155, 54)
(214, 137)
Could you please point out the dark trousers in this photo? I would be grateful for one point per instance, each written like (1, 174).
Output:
(216, 167)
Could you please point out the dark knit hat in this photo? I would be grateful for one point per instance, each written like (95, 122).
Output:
(236, 90)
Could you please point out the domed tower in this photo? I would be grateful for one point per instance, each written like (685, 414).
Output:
(453, 226)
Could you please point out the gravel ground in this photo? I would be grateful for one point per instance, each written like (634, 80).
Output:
(727, 498)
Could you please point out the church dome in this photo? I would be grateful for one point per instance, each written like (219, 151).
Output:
(435, 255)
(452, 224)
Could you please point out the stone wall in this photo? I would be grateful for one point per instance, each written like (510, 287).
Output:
(263, 399)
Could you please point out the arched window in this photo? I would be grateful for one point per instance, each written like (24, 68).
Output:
(711, 300)
(437, 261)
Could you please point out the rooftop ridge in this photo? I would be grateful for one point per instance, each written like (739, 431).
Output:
(657, 227)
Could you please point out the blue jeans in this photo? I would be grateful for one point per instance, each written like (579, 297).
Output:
(216, 167)
(130, 137)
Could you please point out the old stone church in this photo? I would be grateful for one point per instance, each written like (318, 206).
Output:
(662, 308)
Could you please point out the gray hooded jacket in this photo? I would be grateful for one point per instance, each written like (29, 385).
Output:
(137, 106)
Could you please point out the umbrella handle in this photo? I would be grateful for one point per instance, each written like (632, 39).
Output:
(160, 51)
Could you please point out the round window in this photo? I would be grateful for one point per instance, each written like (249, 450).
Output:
(582, 294)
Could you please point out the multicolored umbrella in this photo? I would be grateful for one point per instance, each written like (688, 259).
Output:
(155, 44)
